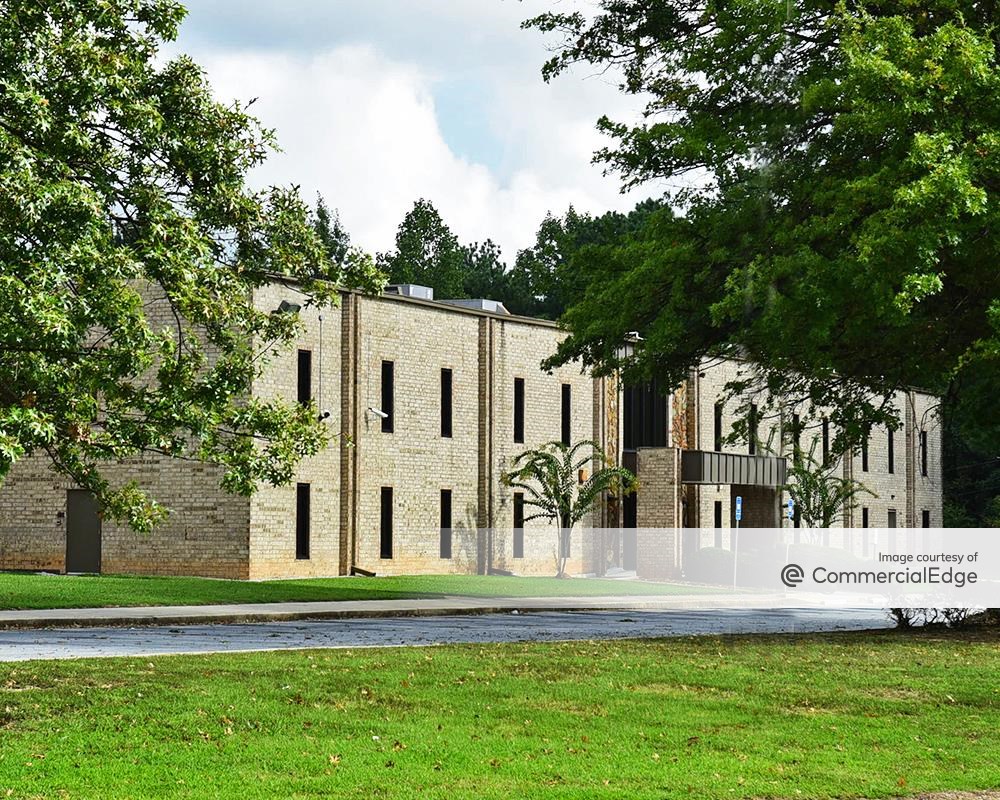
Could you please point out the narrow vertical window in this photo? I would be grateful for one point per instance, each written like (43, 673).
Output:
(305, 377)
(567, 414)
(891, 451)
(864, 454)
(519, 410)
(826, 441)
(864, 517)
(925, 518)
(797, 516)
(446, 523)
(718, 428)
(388, 397)
(302, 521)
(923, 453)
(796, 433)
(518, 524)
(446, 379)
(752, 430)
(718, 523)
(385, 524)
(891, 518)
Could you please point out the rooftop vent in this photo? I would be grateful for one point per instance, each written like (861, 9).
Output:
(480, 304)
(410, 290)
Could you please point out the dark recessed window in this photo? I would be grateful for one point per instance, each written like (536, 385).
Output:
(446, 523)
(718, 522)
(796, 433)
(797, 516)
(923, 453)
(518, 524)
(302, 521)
(717, 439)
(864, 517)
(519, 410)
(891, 518)
(644, 416)
(305, 377)
(388, 396)
(925, 518)
(446, 379)
(752, 430)
(864, 454)
(891, 451)
(567, 414)
(385, 524)
(826, 441)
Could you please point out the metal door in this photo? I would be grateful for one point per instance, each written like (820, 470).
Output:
(83, 532)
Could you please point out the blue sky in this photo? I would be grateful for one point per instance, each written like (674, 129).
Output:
(380, 102)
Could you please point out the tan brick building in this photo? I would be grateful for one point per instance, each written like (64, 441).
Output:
(429, 401)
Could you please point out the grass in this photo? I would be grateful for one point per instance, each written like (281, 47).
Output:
(846, 715)
(22, 590)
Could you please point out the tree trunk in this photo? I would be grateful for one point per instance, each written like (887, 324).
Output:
(564, 534)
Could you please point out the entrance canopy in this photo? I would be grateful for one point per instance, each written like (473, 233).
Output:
(700, 466)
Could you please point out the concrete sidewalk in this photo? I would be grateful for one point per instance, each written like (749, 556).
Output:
(349, 609)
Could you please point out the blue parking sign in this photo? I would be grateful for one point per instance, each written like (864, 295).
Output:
(791, 508)
(739, 508)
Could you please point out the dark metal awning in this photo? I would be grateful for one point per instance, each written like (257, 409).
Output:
(700, 466)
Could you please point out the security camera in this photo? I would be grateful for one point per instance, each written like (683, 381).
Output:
(324, 415)
(378, 412)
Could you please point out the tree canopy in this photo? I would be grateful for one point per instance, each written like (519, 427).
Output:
(122, 188)
(839, 166)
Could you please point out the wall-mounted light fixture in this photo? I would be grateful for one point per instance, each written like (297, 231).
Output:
(289, 308)
(378, 412)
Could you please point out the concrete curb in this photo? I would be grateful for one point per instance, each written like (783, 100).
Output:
(358, 609)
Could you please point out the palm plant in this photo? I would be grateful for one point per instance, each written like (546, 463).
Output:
(820, 493)
(550, 479)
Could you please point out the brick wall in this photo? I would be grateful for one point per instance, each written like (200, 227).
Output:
(658, 513)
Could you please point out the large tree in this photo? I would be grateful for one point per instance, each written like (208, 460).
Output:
(427, 253)
(841, 174)
(122, 190)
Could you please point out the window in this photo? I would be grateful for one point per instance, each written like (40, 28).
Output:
(864, 454)
(718, 521)
(864, 517)
(518, 524)
(446, 523)
(752, 430)
(302, 521)
(446, 380)
(796, 433)
(718, 428)
(567, 417)
(891, 450)
(923, 453)
(826, 441)
(385, 524)
(519, 410)
(388, 395)
(797, 517)
(925, 518)
(644, 416)
(891, 519)
(305, 377)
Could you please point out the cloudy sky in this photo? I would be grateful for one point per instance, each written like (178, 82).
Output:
(379, 102)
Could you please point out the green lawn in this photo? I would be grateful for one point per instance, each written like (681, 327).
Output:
(18, 590)
(848, 715)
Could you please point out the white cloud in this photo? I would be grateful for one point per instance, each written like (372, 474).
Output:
(363, 129)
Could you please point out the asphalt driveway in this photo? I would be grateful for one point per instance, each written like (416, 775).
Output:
(56, 643)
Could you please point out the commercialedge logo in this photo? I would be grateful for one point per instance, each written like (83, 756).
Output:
(906, 577)
(792, 575)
